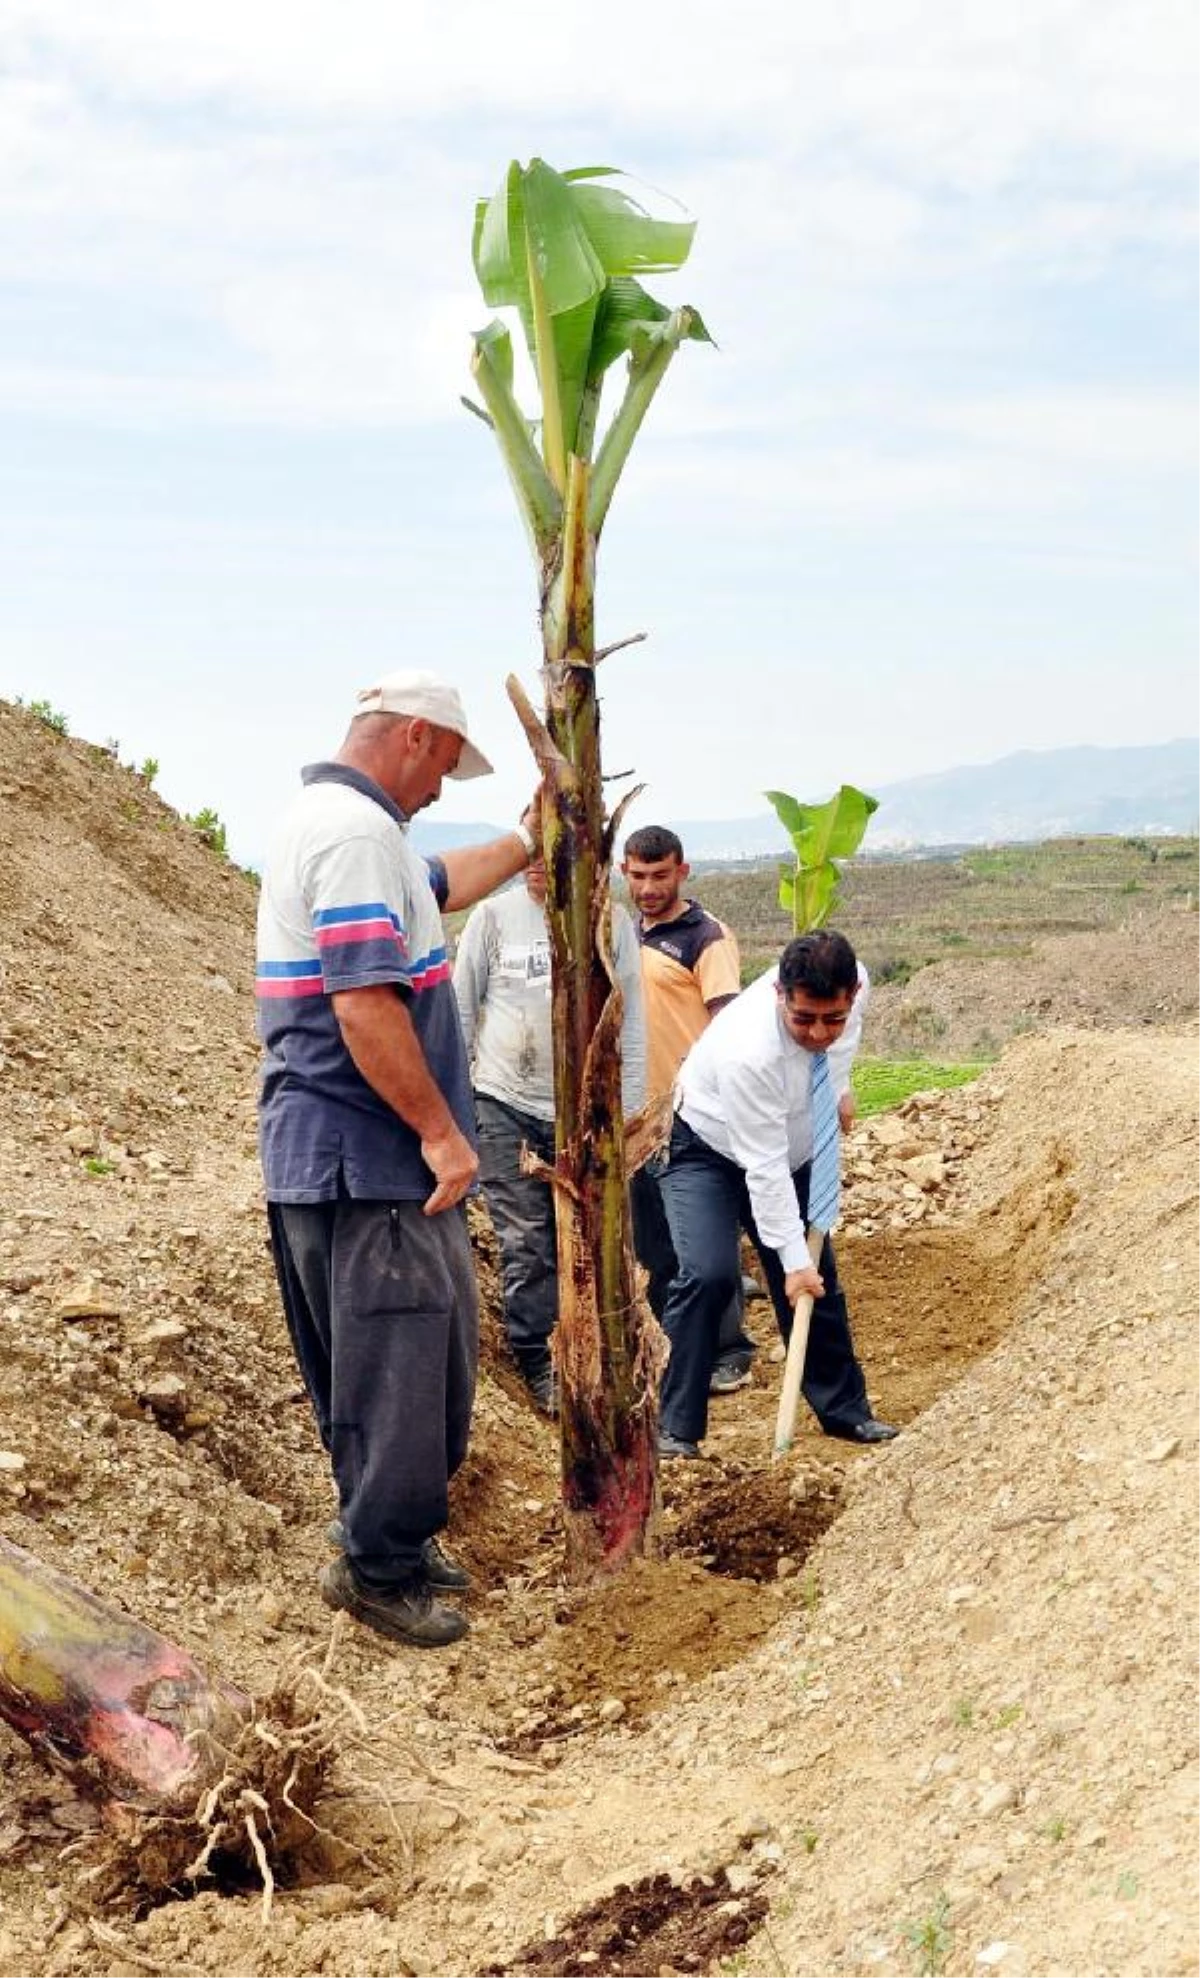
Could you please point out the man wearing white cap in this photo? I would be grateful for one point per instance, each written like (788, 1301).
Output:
(367, 1137)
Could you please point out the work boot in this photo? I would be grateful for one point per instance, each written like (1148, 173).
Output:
(542, 1386)
(406, 1612)
(671, 1446)
(439, 1568)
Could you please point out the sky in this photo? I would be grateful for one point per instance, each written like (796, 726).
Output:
(930, 499)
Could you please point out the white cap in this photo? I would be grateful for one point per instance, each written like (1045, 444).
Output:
(422, 696)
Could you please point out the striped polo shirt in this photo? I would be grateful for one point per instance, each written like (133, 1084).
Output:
(347, 903)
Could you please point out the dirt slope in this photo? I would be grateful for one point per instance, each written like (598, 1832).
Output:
(931, 1707)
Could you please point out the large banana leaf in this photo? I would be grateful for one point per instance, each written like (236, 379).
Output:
(825, 831)
(551, 245)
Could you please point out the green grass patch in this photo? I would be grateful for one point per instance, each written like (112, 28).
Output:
(880, 1083)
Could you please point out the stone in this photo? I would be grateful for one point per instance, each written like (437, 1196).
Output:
(1162, 1450)
(271, 1609)
(754, 1826)
(927, 1170)
(162, 1334)
(86, 1300)
(612, 1710)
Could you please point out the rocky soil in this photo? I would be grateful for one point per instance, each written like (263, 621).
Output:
(925, 1708)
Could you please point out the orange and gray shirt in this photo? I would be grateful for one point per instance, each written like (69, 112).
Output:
(687, 963)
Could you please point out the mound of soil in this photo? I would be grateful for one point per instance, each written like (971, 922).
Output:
(864, 1701)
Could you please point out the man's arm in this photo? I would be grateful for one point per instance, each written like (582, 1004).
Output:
(378, 1033)
(478, 869)
(719, 972)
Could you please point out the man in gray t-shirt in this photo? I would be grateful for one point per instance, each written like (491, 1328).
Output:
(502, 982)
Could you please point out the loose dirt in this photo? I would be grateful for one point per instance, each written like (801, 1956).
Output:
(927, 1706)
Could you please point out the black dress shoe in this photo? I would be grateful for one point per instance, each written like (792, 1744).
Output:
(868, 1431)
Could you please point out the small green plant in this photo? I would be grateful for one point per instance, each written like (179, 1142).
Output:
(44, 712)
(820, 833)
(1127, 1884)
(1010, 1714)
(149, 770)
(808, 1839)
(95, 1165)
(810, 1591)
(964, 1713)
(931, 1938)
(1055, 1830)
(211, 830)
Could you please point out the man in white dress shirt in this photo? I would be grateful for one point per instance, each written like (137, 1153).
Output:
(739, 1158)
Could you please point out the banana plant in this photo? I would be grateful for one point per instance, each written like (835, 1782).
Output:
(566, 251)
(820, 834)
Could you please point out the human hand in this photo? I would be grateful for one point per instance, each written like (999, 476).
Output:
(454, 1164)
(847, 1111)
(807, 1283)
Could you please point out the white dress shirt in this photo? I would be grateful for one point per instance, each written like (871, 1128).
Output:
(745, 1088)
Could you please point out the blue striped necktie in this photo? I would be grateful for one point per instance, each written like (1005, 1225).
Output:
(825, 1181)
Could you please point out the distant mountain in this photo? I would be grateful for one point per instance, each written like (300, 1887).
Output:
(1051, 793)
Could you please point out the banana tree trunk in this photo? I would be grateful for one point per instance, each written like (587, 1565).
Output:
(607, 1347)
(91, 1688)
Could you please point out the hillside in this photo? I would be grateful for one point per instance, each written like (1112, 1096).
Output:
(966, 952)
(864, 1709)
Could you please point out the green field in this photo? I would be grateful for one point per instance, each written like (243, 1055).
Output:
(880, 1083)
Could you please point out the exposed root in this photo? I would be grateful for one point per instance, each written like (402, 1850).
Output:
(256, 1818)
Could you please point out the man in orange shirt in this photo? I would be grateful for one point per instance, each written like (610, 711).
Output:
(690, 970)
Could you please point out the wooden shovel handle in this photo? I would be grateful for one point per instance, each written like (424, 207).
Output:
(793, 1371)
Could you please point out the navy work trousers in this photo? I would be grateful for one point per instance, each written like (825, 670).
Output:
(383, 1311)
(656, 1254)
(521, 1207)
(708, 1204)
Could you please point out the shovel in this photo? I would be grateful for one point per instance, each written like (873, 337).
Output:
(793, 1371)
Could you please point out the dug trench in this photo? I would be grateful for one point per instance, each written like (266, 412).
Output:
(548, 1671)
(843, 1688)
(733, 1541)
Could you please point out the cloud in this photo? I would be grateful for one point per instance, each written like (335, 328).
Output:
(288, 191)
